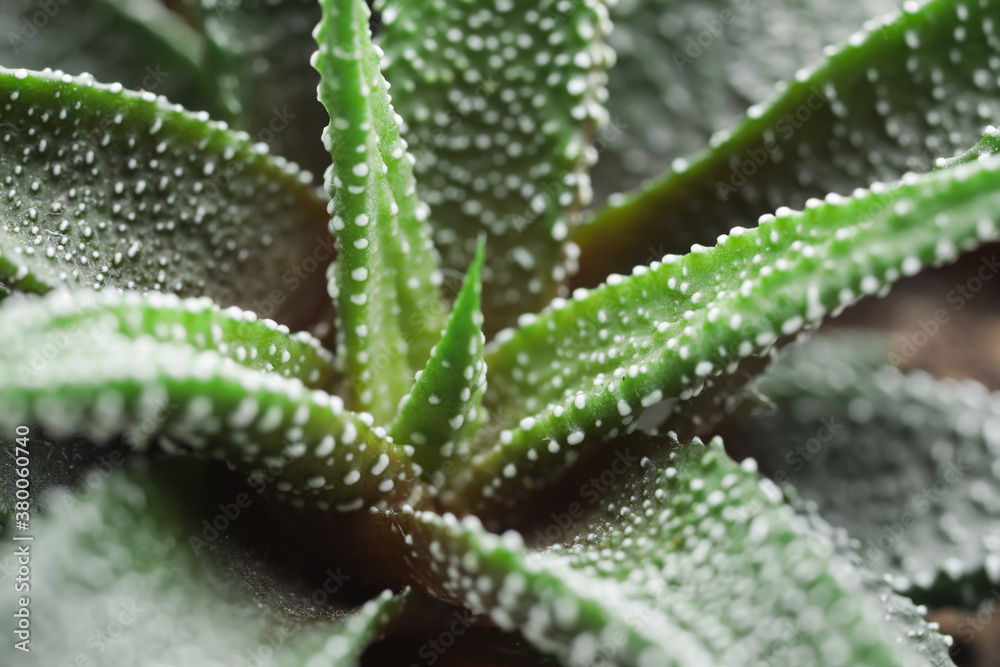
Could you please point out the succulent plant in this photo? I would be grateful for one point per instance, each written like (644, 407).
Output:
(250, 420)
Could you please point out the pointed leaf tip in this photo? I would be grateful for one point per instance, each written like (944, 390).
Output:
(386, 279)
(443, 413)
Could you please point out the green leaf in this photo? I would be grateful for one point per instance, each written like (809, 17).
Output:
(500, 103)
(894, 98)
(386, 278)
(258, 52)
(100, 384)
(137, 591)
(114, 189)
(699, 563)
(686, 69)
(906, 463)
(584, 369)
(261, 345)
(443, 413)
(153, 49)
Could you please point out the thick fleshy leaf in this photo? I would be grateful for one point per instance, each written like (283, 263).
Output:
(585, 368)
(237, 334)
(500, 103)
(686, 69)
(116, 580)
(109, 188)
(699, 563)
(258, 51)
(99, 384)
(906, 463)
(893, 99)
(441, 416)
(386, 277)
(138, 43)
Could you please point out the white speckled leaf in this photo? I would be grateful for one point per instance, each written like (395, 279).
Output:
(84, 378)
(500, 101)
(261, 345)
(442, 415)
(892, 99)
(385, 281)
(115, 581)
(586, 368)
(108, 188)
(906, 463)
(698, 563)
